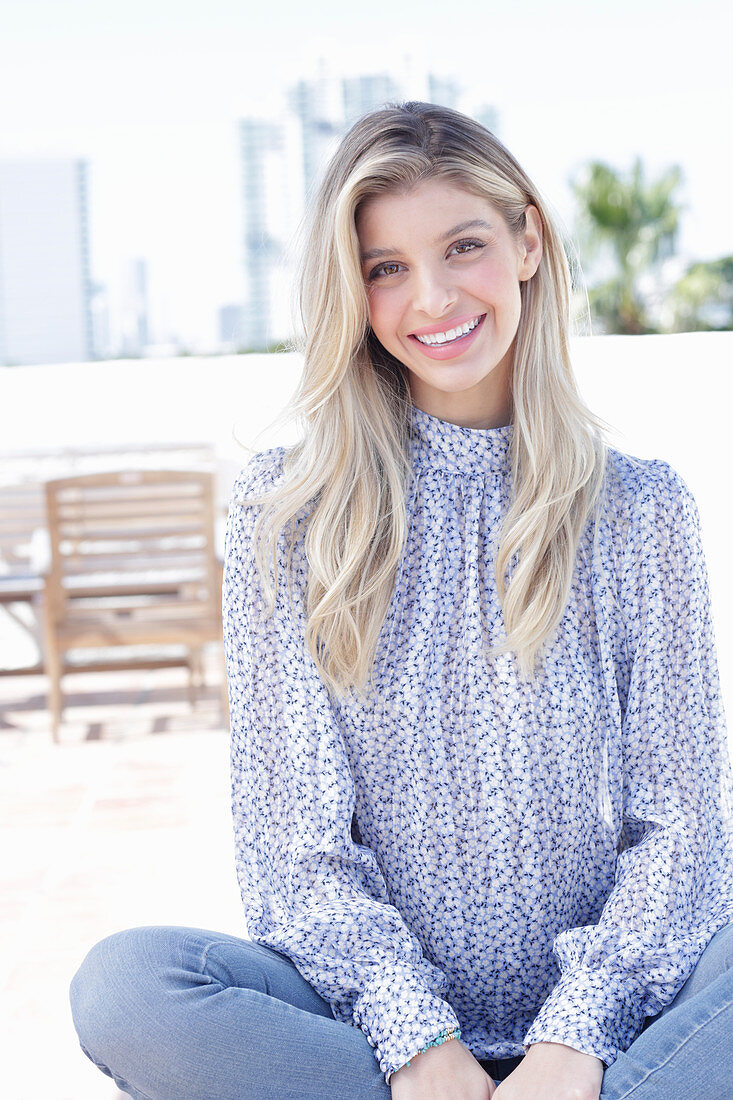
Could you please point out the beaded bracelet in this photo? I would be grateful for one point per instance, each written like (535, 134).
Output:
(445, 1035)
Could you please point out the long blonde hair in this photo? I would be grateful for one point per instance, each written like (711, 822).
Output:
(351, 470)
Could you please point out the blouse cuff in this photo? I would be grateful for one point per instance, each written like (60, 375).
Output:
(589, 1011)
(401, 1014)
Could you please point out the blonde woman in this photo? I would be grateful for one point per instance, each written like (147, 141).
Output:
(479, 767)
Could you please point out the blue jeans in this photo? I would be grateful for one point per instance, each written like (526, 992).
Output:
(187, 1014)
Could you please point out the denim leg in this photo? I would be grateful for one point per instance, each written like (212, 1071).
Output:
(172, 1012)
(687, 1050)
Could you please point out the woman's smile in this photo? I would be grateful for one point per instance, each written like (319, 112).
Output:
(449, 343)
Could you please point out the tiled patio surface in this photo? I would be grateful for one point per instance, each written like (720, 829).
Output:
(126, 822)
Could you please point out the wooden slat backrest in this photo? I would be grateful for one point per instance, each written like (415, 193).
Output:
(106, 529)
(22, 497)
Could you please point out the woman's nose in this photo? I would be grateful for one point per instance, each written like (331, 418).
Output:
(433, 293)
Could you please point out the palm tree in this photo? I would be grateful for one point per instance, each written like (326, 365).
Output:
(702, 300)
(630, 226)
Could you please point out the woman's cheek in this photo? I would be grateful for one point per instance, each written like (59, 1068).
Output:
(384, 317)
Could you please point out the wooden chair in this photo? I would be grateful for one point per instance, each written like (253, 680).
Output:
(132, 564)
(24, 551)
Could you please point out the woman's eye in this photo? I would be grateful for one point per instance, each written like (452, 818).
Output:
(464, 247)
(384, 269)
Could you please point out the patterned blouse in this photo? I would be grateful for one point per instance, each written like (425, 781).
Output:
(522, 861)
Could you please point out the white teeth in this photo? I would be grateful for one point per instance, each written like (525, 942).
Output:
(451, 334)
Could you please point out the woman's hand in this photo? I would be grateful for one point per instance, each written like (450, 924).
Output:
(445, 1072)
(553, 1071)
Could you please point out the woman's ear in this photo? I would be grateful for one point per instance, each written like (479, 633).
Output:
(531, 244)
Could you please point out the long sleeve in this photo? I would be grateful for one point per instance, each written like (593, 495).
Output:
(309, 890)
(673, 885)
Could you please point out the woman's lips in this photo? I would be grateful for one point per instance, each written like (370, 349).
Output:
(451, 350)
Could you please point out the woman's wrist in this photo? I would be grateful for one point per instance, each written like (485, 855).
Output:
(562, 1049)
(444, 1037)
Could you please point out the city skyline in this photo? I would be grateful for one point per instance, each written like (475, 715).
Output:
(170, 88)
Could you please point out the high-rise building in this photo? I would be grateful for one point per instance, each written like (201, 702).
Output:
(442, 90)
(45, 287)
(318, 106)
(364, 93)
(101, 320)
(272, 190)
(135, 334)
(231, 321)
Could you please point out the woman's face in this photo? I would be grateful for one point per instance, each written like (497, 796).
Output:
(442, 272)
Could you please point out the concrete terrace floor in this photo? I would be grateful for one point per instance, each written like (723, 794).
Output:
(126, 822)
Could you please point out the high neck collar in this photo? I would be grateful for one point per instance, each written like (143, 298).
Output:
(438, 443)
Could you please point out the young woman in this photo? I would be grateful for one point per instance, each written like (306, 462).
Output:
(479, 765)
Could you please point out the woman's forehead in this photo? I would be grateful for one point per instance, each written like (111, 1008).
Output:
(428, 204)
(440, 188)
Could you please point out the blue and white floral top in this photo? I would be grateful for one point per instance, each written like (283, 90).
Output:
(525, 861)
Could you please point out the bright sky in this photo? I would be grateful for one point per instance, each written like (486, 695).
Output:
(150, 91)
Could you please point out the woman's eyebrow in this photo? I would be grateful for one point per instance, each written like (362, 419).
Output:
(377, 253)
(474, 223)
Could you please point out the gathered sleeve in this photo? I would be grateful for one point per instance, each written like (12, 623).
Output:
(674, 883)
(309, 890)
